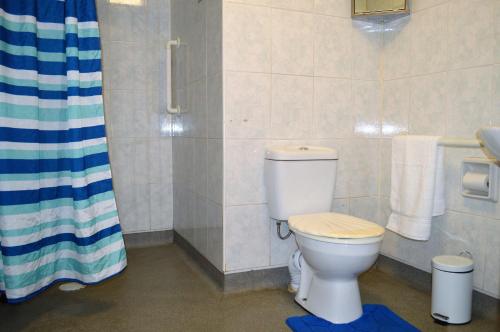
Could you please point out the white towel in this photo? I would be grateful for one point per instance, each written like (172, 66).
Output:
(417, 185)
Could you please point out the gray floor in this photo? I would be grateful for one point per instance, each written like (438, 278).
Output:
(163, 290)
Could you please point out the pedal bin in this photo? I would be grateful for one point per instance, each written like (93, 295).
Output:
(452, 289)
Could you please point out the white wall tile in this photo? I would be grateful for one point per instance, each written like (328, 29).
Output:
(364, 173)
(120, 111)
(214, 107)
(366, 106)
(341, 8)
(141, 161)
(200, 225)
(333, 116)
(496, 14)
(430, 51)
(244, 172)
(423, 4)
(200, 167)
(142, 221)
(214, 37)
(247, 39)
(246, 235)
(364, 207)
(215, 156)
(253, 2)
(492, 263)
(291, 111)
(469, 96)
(366, 50)
(428, 104)
(161, 206)
(397, 48)
(340, 205)
(304, 5)
(215, 235)
(292, 33)
(385, 167)
(332, 46)
(471, 35)
(247, 104)
(396, 107)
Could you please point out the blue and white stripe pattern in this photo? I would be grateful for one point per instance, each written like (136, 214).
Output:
(58, 216)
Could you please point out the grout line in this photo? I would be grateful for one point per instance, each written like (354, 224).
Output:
(439, 72)
(311, 12)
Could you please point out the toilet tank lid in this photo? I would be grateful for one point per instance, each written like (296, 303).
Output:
(300, 152)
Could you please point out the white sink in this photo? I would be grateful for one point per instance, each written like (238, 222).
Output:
(490, 136)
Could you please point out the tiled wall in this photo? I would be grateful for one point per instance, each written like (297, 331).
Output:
(442, 77)
(197, 142)
(295, 72)
(304, 72)
(133, 39)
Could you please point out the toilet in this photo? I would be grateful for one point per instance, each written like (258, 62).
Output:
(336, 248)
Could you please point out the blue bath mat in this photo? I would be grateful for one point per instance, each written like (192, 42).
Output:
(376, 318)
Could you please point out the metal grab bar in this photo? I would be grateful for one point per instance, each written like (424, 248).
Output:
(170, 108)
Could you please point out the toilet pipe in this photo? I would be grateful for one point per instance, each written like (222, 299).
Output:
(278, 230)
(294, 268)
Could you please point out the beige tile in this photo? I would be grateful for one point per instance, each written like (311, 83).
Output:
(214, 36)
(341, 8)
(363, 167)
(430, 51)
(247, 38)
(428, 104)
(333, 116)
(292, 33)
(469, 98)
(423, 4)
(244, 172)
(397, 48)
(252, 2)
(246, 232)
(364, 207)
(332, 47)
(471, 36)
(215, 170)
(367, 42)
(303, 5)
(247, 105)
(396, 107)
(291, 111)
(492, 263)
(366, 106)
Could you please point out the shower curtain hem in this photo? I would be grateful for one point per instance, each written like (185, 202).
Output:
(41, 290)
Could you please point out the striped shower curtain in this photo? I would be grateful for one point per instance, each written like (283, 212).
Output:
(58, 216)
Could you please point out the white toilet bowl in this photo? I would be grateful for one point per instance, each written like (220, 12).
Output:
(336, 248)
(330, 267)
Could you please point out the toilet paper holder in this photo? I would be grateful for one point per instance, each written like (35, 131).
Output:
(480, 179)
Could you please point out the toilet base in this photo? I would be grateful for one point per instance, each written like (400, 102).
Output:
(337, 301)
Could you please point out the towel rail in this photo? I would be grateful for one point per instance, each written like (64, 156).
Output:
(457, 142)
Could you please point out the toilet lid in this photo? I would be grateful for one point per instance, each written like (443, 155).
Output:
(335, 225)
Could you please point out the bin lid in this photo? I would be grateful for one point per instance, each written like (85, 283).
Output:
(451, 263)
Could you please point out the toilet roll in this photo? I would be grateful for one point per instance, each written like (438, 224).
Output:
(476, 182)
